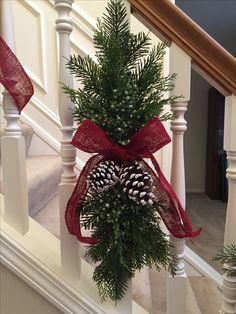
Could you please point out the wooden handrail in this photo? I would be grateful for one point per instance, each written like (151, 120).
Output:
(206, 54)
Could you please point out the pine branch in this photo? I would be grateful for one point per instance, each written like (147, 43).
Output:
(116, 18)
(126, 88)
(122, 229)
(87, 71)
(227, 257)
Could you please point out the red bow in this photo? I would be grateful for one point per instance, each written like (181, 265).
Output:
(13, 77)
(91, 138)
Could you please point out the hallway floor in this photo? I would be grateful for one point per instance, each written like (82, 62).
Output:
(210, 215)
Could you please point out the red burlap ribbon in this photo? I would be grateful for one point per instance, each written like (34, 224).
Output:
(143, 144)
(13, 77)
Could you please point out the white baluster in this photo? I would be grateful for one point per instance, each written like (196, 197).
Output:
(13, 146)
(70, 247)
(229, 283)
(180, 63)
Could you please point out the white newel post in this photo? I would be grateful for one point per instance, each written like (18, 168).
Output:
(180, 63)
(13, 145)
(70, 247)
(125, 305)
(229, 283)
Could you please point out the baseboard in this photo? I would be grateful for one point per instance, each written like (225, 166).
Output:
(35, 258)
(203, 267)
(46, 283)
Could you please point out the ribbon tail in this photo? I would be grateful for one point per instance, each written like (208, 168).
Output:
(174, 217)
(72, 217)
(13, 77)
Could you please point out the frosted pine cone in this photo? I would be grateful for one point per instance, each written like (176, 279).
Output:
(137, 183)
(103, 176)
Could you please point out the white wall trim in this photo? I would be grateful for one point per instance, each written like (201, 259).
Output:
(42, 133)
(203, 267)
(84, 17)
(88, 31)
(83, 21)
(46, 111)
(35, 258)
(80, 48)
(42, 83)
(47, 138)
(46, 283)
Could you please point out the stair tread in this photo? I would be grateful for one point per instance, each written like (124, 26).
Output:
(158, 282)
(49, 218)
(206, 290)
(38, 165)
(43, 178)
(44, 175)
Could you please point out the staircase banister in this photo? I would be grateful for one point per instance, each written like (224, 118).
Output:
(207, 54)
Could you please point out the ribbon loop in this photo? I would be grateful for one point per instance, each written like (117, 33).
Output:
(149, 139)
(143, 144)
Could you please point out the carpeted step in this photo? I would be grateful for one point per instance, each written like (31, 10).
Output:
(43, 175)
(48, 216)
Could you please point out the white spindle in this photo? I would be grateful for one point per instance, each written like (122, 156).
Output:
(180, 63)
(229, 283)
(70, 247)
(13, 145)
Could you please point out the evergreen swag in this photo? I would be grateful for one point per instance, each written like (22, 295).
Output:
(120, 93)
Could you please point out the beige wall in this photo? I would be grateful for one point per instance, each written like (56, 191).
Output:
(93, 8)
(196, 135)
(18, 298)
(208, 14)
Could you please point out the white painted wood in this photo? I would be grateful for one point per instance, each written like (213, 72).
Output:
(70, 247)
(180, 63)
(6, 24)
(229, 284)
(13, 145)
(202, 267)
(166, 151)
(35, 258)
(15, 183)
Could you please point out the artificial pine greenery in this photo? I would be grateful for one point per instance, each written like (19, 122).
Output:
(129, 237)
(227, 257)
(126, 87)
(121, 92)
